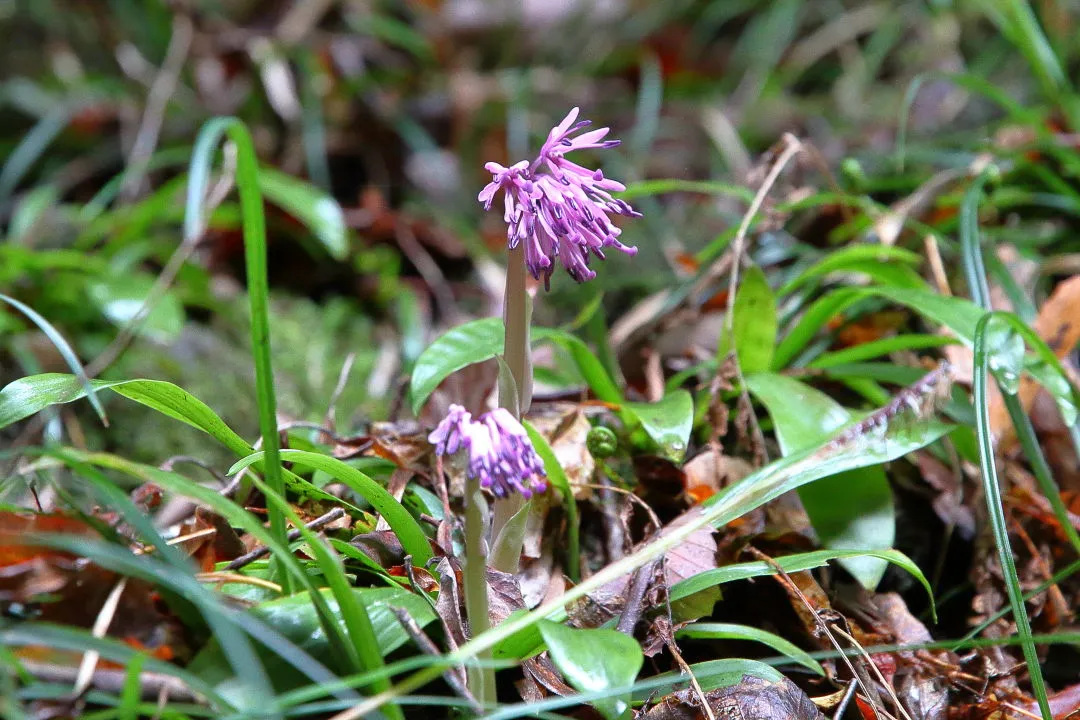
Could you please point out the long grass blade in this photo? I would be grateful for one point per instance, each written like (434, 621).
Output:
(978, 285)
(254, 228)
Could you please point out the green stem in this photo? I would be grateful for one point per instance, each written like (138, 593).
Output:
(515, 396)
(481, 679)
(516, 348)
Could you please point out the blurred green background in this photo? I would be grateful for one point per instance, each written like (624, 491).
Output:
(377, 117)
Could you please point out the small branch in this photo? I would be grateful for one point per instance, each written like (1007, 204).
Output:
(343, 379)
(262, 551)
(792, 147)
(636, 597)
(161, 90)
(168, 274)
(151, 685)
(453, 676)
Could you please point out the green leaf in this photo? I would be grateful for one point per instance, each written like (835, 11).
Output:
(466, 344)
(1007, 357)
(730, 631)
(996, 508)
(888, 264)
(505, 554)
(852, 510)
(595, 661)
(412, 537)
(254, 232)
(121, 297)
(311, 206)
(480, 340)
(879, 347)
(294, 616)
(790, 564)
(754, 323)
(668, 422)
(24, 396)
(957, 314)
(711, 675)
(590, 367)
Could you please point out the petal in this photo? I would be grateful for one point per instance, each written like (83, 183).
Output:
(567, 121)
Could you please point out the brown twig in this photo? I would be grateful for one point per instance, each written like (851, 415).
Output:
(262, 551)
(161, 90)
(635, 601)
(114, 681)
(170, 463)
(857, 672)
(168, 274)
(343, 379)
(453, 676)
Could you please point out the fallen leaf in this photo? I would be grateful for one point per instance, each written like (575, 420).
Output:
(752, 698)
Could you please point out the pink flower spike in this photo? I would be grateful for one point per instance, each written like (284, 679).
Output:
(501, 455)
(563, 213)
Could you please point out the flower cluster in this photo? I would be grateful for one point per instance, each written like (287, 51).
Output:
(501, 455)
(561, 213)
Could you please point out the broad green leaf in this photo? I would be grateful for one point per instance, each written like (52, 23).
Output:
(668, 422)
(480, 340)
(753, 324)
(730, 631)
(311, 206)
(26, 396)
(852, 510)
(802, 416)
(121, 297)
(412, 538)
(790, 564)
(295, 618)
(65, 351)
(469, 343)
(595, 661)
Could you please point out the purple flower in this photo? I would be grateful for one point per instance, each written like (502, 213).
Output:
(564, 212)
(501, 455)
(449, 435)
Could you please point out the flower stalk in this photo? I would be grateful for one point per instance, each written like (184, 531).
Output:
(556, 212)
(474, 579)
(515, 390)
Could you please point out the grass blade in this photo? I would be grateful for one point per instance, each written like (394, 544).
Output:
(254, 228)
(65, 351)
(992, 491)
